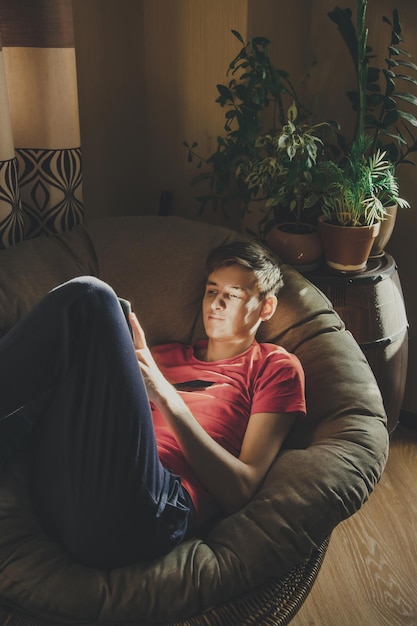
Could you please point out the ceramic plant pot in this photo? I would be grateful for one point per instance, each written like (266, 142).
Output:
(347, 248)
(303, 249)
(385, 232)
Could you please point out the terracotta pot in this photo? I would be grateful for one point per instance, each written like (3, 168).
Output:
(303, 250)
(347, 248)
(385, 232)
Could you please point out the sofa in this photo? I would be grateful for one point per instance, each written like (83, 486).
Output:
(330, 463)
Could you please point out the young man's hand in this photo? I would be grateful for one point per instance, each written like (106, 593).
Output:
(156, 383)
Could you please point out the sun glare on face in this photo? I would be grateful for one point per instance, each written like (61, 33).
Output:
(231, 304)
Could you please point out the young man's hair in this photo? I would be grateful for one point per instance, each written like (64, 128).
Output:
(252, 256)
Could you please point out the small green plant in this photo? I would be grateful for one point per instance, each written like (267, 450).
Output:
(283, 173)
(357, 193)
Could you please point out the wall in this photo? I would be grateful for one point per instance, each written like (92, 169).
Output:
(111, 75)
(147, 74)
(145, 86)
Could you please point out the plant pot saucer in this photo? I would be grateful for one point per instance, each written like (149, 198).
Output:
(336, 268)
(385, 232)
(306, 268)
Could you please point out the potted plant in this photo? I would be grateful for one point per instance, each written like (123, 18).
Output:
(254, 99)
(378, 101)
(283, 176)
(354, 204)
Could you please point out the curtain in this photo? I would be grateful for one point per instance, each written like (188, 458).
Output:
(40, 155)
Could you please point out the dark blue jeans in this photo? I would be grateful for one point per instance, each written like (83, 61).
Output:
(69, 369)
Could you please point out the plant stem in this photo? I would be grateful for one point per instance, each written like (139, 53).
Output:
(362, 64)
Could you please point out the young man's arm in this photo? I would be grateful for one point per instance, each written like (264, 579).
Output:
(231, 481)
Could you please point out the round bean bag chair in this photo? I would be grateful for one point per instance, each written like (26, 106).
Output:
(253, 567)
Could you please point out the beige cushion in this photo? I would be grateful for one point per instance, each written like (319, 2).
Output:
(30, 269)
(331, 462)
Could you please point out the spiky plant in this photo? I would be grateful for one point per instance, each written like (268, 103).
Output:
(358, 192)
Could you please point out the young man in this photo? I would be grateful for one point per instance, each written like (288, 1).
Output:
(133, 449)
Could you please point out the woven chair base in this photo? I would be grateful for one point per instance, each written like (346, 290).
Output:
(274, 603)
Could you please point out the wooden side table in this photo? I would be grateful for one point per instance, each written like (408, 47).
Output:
(371, 304)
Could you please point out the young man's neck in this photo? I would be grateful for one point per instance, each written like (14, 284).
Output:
(218, 350)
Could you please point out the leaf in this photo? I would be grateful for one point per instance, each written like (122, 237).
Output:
(409, 78)
(225, 92)
(398, 138)
(311, 201)
(390, 86)
(343, 19)
(261, 41)
(396, 22)
(389, 104)
(241, 92)
(283, 74)
(390, 119)
(371, 120)
(396, 38)
(292, 112)
(408, 117)
(238, 36)
(412, 66)
(372, 75)
(396, 51)
(375, 99)
(407, 97)
(354, 98)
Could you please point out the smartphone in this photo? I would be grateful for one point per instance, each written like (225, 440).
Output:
(127, 309)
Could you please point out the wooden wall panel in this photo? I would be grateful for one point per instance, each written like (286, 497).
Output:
(110, 68)
(188, 46)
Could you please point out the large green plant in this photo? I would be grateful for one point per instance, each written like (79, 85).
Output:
(257, 94)
(363, 184)
(381, 92)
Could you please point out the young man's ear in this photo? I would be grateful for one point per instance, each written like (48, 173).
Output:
(269, 307)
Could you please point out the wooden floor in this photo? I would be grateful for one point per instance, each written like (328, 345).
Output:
(369, 574)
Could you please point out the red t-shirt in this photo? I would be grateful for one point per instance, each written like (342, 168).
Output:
(222, 395)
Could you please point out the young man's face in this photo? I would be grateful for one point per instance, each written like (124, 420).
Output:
(232, 310)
